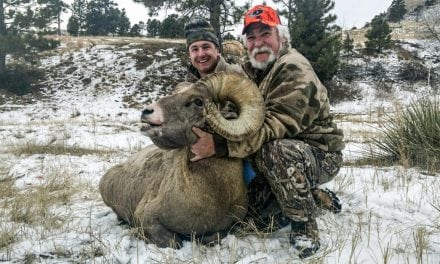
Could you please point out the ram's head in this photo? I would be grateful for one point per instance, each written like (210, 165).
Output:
(169, 121)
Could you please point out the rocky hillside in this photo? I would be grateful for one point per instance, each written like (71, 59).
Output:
(413, 26)
(143, 69)
(413, 4)
(412, 65)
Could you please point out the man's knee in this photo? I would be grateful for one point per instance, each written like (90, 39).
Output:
(294, 157)
(329, 164)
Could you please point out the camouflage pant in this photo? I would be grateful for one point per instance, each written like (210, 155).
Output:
(287, 170)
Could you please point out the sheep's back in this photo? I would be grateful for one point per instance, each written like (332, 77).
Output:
(124, 185)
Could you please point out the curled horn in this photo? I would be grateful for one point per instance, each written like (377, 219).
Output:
(244, 94)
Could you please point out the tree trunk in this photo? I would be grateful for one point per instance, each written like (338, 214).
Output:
(215, 13)
(2, 35)
(59, 23)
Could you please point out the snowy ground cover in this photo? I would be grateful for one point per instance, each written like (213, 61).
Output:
(54, 150)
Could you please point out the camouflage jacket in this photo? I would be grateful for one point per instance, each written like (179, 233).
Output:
(193, 75)
(296, 105)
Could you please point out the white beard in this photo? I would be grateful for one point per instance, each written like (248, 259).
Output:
(258, 64)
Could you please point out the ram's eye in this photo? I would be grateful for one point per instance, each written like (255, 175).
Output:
(198, 102)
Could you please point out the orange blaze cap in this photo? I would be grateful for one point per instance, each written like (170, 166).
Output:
(262, 14)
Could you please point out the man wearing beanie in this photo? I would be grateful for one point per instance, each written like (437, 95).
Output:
(204, 50)
(298, 147)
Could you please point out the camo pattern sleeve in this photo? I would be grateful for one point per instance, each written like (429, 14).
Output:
(297, 106)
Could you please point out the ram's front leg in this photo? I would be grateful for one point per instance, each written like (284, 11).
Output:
(152, 229)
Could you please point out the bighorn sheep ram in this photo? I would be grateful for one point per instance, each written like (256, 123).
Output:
(165, 194)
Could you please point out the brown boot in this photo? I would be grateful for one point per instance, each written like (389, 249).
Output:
(305, 238)
(327, 200)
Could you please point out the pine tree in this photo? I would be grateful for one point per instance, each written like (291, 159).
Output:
(19, 28)
(103, 18)
(397, 11)
(314, 34)
(221, 13)
(347, 45)
(50, 11)
(153, 28)
(73, 26)
(135, 31)
(76, 23)
(20, 38)
(172, 27)
(379, 34)
(97, 23)
(123, 24)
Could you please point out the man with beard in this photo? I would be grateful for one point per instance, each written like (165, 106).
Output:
(298, 147)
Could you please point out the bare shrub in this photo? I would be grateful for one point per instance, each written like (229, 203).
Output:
(349, 72)
(413, 71)
(340, 91)
(384, 87)
(431, 19)
(377, 71)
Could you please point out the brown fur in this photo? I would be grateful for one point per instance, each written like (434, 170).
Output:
(184, 200)
(164, 193)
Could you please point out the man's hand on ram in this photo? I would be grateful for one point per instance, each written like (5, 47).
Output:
(204, 147)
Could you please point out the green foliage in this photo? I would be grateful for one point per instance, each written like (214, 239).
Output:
(123, 24)
(21, 22)
(73, 26)
(50, 11)
(153, 28)
(412, 137)
(135, 31)
(19, 79)
(314, 34)
(397, 11)
(347, 45)
(77, 21)
(39, 43)
(12, 44)
(379, 35)
(229, 36)
(341, 91)
(221, 13)
(104, 18)
(172, 27)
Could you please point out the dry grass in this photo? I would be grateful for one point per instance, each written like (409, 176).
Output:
(411, 136)
(34, 205)
(31, 148)
(8, 235)
(70, 43)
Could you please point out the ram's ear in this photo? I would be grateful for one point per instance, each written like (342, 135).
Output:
(180, 87)
(234, 87)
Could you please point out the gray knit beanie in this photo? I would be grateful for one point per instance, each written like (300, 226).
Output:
(200, 29)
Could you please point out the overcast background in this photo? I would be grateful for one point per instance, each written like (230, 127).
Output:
(351, 13)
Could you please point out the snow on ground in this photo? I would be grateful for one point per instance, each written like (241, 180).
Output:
(390, 214)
